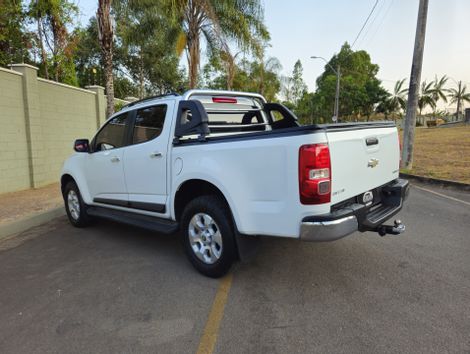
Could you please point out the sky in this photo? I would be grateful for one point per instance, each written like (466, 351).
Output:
(305, 28)
(302, 28)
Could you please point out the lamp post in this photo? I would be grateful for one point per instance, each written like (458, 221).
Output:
(338, 75)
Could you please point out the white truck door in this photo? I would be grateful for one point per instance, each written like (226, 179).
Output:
(104, 166)
(145, 160)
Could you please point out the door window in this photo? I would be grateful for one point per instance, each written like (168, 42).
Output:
(112, 135)
(148, 123)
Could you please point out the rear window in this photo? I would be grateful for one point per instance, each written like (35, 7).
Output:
(233, 113)
(234, 118)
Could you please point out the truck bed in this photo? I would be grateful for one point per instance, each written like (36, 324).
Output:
(292, 131)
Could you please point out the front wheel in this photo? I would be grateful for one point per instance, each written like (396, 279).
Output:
(208, 235)
(75, 206)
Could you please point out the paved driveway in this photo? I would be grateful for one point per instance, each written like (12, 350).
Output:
(116, 289)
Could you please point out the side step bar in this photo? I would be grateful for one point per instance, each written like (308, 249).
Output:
(143, 221)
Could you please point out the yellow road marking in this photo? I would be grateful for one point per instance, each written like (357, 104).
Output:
(211, 331)
(442, 195)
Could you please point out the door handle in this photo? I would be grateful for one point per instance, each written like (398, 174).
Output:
(115, 159)
(372, 141)
(156, 154)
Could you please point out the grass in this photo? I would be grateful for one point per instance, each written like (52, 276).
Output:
(442, 153)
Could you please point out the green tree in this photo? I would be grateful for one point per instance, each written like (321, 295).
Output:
(229, 62)
(251, 76)
(361, 91)
(294, 86)
(459, 96)
(395, 103)
(14, 40)
(399, 96)
(264, 75)
(124, 87)
(298, 85)
(305, 108)
(439, 92)
(142, 64)
(87, 56)
(217, 21)
(426, 97)
(89, 64)
(147, 41)
(54, 39)
(385, 107)
(375, 94)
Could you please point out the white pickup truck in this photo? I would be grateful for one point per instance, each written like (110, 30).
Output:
(221, 166)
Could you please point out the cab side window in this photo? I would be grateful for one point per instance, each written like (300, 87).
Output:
(112, 135)
(148, 123)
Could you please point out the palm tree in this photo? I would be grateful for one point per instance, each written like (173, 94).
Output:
(426, 97)
(438, 90)
(397, 100)
(106, 33)
(229, 61)
(459, 95)
(261, 69)
(217, 21)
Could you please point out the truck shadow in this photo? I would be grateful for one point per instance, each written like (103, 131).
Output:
(338, 264)
(341, 265)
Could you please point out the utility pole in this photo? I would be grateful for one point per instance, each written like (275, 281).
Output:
(413, 93)
(458, 100)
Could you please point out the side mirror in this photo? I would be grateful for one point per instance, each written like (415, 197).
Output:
(81, 145)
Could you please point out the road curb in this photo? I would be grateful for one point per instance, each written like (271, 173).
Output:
(30, 221)
(440, 182)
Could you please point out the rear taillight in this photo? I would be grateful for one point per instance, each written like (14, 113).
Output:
(314, 174)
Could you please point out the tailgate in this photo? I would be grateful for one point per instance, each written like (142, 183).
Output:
(362, 159)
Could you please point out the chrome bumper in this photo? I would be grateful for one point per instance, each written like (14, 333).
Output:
(358, 217)
(321, 231)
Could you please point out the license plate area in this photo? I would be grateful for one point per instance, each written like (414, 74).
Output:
(358, 199)
(370, 198)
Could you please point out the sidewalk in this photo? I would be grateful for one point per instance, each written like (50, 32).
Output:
(24, 209)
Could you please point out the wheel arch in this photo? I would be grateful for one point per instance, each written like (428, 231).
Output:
(64, 179)
(193, 188)
(67, 176)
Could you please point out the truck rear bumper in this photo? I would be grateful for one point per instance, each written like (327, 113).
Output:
(332, 230)
(356, 217)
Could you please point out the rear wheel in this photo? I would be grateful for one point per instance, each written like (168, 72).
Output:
(208, 235)
(74, 206)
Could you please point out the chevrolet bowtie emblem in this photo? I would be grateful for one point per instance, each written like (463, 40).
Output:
(373, 163)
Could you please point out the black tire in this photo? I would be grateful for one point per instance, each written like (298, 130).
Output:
(80, 219)
(218, 211)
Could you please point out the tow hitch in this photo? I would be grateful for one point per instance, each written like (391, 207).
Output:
(397, 228)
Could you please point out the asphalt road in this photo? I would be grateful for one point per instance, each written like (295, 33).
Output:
(116, 289)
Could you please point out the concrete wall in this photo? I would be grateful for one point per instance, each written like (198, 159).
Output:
(14, 157)
(67, 113)
(40, 120)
